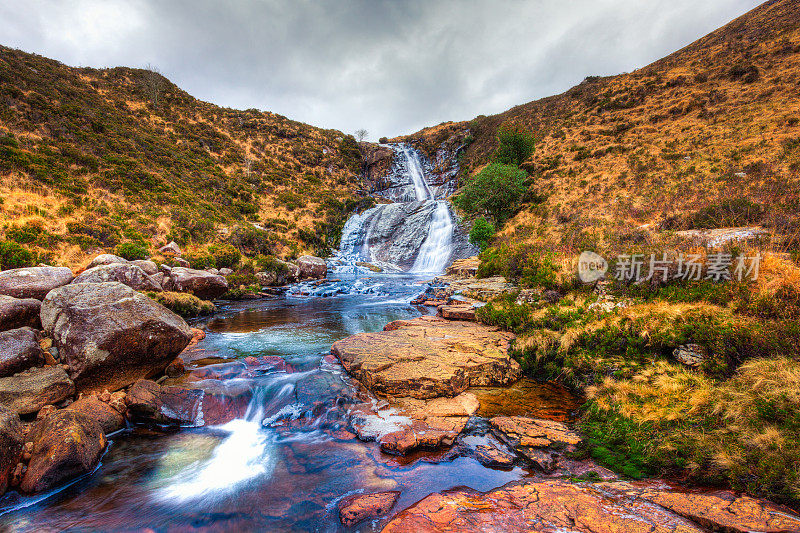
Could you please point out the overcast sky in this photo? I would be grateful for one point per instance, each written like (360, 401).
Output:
(390, 66)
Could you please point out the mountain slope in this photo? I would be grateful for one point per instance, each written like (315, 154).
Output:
(90, 158)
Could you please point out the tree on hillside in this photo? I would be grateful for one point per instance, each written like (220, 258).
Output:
(361, 135)
(495, 191)
(481, 233)
(154, 83)
(515, 146)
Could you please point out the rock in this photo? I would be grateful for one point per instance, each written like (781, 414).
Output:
(692, 355)
(111, 335)
(463, 268)
(151, 403)
(225, 271)
(66, 444)
(492, 457)
(11, 440)
(480, 289)
(125, 273)
(312, 267)
(537, 440)
(107, 417)
(357, 507)
(159, 277)
(267, 278)
(46, 411)
(369, 266)
(176, 368)
(170, 249)
(149, 267)
(19, 312)
(106, 259)
(19, 350)
(428, 357)
(29, 391)
(182, 262)
(457, 312)
(198, 282)
(33, 282)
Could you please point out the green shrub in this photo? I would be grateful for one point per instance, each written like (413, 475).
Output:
(184, 304)
(12, 255)
(481, 233)
(516, 146)
(131, 250)
(225, 255)
(268, 263)
(200, 260)
(526, 265)
(495, 191)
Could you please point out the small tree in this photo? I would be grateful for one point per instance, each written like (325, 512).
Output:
(154, 83)
(481, 233)
(361, 135)
(515, 146)
(496, 191)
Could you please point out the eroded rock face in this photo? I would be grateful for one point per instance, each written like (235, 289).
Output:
(202, 284)
(11, 441)
(66, 444)
(33, 282)
(353, 509)
(19, 312)
(19, 350)
(312, 267)
(29, 391)
(428, 357)
(111, 335)
(106, 259)
(125, 273)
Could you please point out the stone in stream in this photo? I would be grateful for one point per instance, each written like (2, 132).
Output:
(202, 284)
(357, 507)
(538, 440)
(106, 416)
(33, 282)
(110, 335)
(151, 403)
(19, 312)
(311, 267)
(125, 273)
(428, 357)
(11, 441)
(66, 444)
(19, 351)
(29, 391)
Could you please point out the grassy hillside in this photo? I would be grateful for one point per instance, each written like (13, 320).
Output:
(93, 158)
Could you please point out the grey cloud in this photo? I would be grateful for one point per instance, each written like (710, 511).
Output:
(392, 67)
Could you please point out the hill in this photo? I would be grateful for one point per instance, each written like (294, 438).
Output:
(90, 159)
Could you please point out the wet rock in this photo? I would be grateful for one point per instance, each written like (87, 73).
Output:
(111, 335)
(11, 440)
(369, 266)
(428, 357)
(149, 402)
(692, 355)
(149, 267)
(537, 440)
(357, 507)
(33, 282)
(106, 259)
(19, 350)
(66, 444)
(463, 268)
(493, 457)
(170, 249)
(29, 391)
(176, 368)
(457, 312)
(19, 312)
(198, 282)
(127, 274)
(312, 267)
(106, 416)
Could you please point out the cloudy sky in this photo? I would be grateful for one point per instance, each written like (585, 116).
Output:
(390, 66)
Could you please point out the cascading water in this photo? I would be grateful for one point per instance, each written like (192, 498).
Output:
(437, 247)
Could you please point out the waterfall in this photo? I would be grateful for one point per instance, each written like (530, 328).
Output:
(417, 175)
(437, 247)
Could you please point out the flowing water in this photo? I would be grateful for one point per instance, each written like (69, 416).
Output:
(286, 462)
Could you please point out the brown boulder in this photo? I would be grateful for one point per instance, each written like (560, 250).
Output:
(357, 507)
(19, 312)
(311, 267)
(29, 391)
(125, 273)
(457, 312)
(149, 267)
(150, 403)
(170, 249)
(108, 418)
(19, 351)
(428, 357)
(66, 444)
(106, 259)
(202, 284)
(537, 440)
(33, 282)
(111, 335)
(11, 441)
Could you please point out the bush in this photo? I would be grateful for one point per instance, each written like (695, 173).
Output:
(184, 304)
(225, 255)
(495, 191)
(526, 265)
(131, 250)
(516, 146)
(200, 260)
(481, 233)
(12, 255)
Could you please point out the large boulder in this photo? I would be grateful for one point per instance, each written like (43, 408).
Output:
(106, 259)
(202, 284)
(19, 312)
(106, 416)
(125, 273)
(29, 391)
(170, 249)
(33, 282)
(149, 267)
(19, 350)
(150, 403)
(110, 335)
(312, 267)
(66, 444)
(10, 445)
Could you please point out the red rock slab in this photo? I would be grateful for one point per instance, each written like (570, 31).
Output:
(457, 312)
(353, 509)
